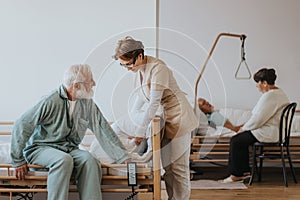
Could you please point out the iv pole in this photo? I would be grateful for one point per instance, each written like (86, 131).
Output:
(241, 36)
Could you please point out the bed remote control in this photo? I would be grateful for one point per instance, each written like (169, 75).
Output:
(132, 174)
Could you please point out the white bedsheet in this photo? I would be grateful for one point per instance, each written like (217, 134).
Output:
(238, 117)
(5, 153)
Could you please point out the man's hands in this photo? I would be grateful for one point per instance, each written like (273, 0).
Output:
(21, 171)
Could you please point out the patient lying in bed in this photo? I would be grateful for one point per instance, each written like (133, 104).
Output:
(212, 122)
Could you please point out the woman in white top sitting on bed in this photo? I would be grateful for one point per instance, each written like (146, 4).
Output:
(263, 126)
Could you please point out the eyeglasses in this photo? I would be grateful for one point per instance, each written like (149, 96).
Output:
(127, 65)
(130, 64)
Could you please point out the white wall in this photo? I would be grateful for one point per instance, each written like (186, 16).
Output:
(189, 28)
(40, 39)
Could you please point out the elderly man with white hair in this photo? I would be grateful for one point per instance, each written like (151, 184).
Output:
(49, 134)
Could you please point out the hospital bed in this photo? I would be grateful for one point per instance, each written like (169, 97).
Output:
(114, 176)
(212, 149)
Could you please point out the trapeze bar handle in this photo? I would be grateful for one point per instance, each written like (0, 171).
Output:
(238, 69)
(243, 62)
(241, 36)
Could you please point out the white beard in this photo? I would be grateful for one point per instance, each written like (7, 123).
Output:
(83, 94)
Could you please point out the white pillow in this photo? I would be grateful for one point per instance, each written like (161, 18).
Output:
(236, 116)
(296, 124)
(98, 152)
(126, 125)
(123, 128)
(5, 153)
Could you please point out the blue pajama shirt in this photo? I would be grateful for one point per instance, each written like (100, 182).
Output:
(48, 126)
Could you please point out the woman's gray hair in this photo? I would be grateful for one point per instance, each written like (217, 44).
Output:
(76, 74)
(127, 45)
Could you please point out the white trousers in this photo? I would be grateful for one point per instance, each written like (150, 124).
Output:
(177, 171)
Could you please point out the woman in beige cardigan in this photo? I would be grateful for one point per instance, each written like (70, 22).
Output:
(157, 86)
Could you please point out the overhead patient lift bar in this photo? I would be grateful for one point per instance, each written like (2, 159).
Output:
(243, 61)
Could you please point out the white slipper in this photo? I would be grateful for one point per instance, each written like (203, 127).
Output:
(229, 179)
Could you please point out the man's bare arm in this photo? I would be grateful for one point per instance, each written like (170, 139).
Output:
(230, 126)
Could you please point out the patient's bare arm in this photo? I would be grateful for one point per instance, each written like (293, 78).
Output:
(230, 126)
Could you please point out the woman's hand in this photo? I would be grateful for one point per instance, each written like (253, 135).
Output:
(21, 171)
(240, 130)
(138, 140)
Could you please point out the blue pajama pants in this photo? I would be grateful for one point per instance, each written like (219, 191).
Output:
(62, 165)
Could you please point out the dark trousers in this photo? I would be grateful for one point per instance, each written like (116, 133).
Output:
(238, 162)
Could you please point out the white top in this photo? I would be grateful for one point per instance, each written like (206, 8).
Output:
(265, 119)
(71, 108)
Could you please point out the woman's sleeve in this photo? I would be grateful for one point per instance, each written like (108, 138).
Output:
(159, 82)
(137, 105)
(263, 111)
(155, 99)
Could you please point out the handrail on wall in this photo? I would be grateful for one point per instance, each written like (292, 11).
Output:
(241, 36)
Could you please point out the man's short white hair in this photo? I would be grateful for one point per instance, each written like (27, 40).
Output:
(76, 73)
